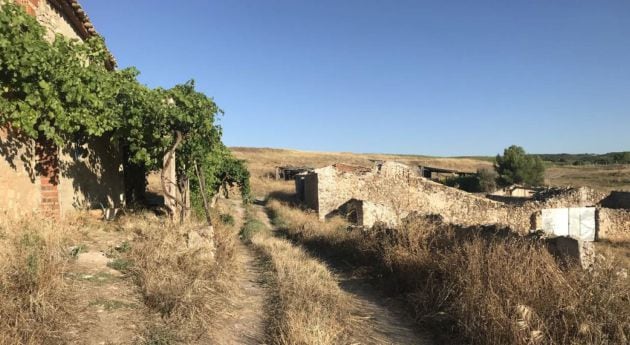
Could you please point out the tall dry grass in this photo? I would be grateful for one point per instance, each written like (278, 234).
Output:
(307, 306)
(33, 256)
(483, 287)
(185, 285)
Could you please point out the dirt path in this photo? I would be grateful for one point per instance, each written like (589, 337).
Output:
(384, 320)
(107, 304)
(246, 323)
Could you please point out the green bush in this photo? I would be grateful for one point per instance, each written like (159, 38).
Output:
(227, 219)
(517, 167)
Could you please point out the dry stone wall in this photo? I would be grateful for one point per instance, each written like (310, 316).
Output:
(614, 224)
(394, 190)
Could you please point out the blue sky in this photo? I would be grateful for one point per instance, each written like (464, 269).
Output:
(424, 77)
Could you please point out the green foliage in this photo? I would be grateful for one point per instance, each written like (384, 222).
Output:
(484, 181)
(252, 227)
(588, 159)
(122, 265)
(227, 219)
(222, 171)
(487, 180)
(56, 91)
(63, 92)
(469, 183)
(516, 166)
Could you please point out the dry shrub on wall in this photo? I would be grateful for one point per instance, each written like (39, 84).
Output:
(182, 282)
(33, 309)
(483, 285)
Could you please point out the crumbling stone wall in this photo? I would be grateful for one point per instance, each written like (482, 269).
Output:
(614, 224)
(399, 190)
(396, 189)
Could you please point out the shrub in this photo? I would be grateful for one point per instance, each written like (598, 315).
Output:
(227, 219)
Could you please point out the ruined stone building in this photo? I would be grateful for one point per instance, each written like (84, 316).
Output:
(38, 176)
(391, 191)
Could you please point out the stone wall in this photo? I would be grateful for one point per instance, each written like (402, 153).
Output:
(399, 191)
(614, 224)
(19, 185)
(53, 21)
(91, 176)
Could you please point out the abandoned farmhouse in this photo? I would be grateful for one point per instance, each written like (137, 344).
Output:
(391, 191)
(39, 176)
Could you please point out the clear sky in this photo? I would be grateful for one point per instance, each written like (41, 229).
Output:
(425, 77)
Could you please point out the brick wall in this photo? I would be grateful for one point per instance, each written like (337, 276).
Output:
(30, 6)
(48, 170)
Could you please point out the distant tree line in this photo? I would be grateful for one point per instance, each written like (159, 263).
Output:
(588, 158)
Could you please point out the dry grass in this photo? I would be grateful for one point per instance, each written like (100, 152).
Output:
(186, 286)
(600, 177)
(34, 254)
(308, 306)
(483, 289)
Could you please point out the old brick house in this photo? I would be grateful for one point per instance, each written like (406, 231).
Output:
(36, 176)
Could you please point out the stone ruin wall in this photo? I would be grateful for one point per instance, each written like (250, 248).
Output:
(396, 189)
(614, 224)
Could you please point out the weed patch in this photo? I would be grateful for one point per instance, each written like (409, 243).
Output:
(120, 264)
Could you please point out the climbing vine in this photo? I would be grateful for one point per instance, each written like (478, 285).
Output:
(62, 91)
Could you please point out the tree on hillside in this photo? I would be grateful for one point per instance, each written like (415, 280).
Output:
(516, 166)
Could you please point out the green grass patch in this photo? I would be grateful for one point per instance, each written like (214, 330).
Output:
(100, 277)
(119, 264)
(159, 336)
(227, 219)
(111, 304)
(251, 228)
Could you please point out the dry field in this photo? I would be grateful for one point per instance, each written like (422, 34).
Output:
(599, 177)
(262, 161)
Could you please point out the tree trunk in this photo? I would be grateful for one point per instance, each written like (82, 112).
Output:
(206, 206)
(169, 179)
